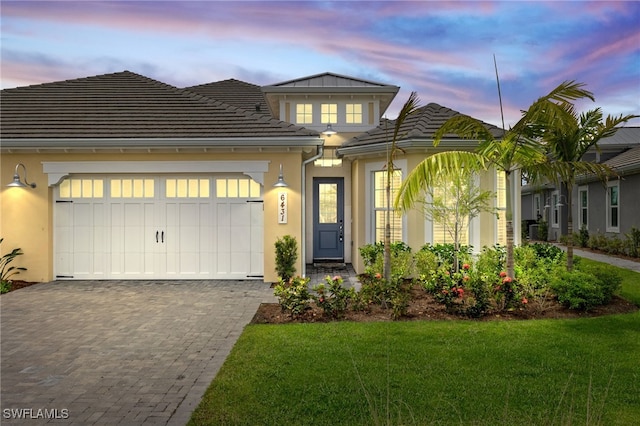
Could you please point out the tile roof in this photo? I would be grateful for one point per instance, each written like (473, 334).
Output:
(128, 105)
(629, 159)
(624, 136)
(234, 92)
(420, 125)
(329, 80)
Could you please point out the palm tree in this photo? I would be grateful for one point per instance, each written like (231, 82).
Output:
(409, 107)
(567, 140)
(516, 149)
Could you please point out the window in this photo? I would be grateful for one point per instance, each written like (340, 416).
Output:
(613, 206)
(537, 211)
(304, 114)
(329, 113)
(583, 200)
(443, 222)
(354, 114)
(380, 205)
(132, 188)
(328, 203)
(328, 159)
(555, 209)
(187, 188)
(237, 188)
(501, 207)
(81, 188)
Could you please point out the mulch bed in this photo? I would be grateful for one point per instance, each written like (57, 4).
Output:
(423, 307)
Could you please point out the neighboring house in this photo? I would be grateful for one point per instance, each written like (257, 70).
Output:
(137, 179)
(609, 208)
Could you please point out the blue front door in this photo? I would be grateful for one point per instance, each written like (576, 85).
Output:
(328, 219)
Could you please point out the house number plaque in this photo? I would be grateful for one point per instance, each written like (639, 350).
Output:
(282, 207)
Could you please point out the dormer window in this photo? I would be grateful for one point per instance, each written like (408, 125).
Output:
(353, 114)
(304, 114)
(329, 113)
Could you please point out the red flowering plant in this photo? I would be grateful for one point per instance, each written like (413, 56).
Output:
(449, 287)
(507, 292)
(333, 298)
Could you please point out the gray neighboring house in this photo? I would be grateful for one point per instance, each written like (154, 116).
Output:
(611, 208)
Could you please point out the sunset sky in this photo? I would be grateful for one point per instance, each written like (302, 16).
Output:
(442, 50)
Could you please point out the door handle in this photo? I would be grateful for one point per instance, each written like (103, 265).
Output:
(163, 236)
(156, 236)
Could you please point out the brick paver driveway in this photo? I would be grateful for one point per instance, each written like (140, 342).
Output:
(118, 352)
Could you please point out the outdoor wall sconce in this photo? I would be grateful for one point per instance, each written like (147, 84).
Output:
(280, 183)
(17, 183)
(329, 131)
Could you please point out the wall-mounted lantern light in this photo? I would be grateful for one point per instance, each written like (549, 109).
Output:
(17, 183)
(329, 131)
(280, 183)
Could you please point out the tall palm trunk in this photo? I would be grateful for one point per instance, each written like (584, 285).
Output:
(386, 268)
(509, 219)
(569, 229)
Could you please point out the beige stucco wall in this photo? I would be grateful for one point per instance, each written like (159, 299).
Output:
(26, 218)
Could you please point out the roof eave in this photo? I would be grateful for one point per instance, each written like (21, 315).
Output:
(90, 143)
(376, 148)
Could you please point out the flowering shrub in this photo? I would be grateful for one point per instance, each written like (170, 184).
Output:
(293, 295)
(333, 298)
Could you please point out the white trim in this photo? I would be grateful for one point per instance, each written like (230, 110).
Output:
(58, 170)
(555, 207)
(615, 229)
(583, 188)
(368, 203)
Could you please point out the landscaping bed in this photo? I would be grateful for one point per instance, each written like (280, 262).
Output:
(424, 307)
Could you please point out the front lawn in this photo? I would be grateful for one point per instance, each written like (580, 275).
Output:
(551, 372)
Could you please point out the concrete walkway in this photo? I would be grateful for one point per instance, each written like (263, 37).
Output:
(118, 352)
(612, 260)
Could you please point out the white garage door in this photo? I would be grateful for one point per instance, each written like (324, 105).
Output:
(137, 227)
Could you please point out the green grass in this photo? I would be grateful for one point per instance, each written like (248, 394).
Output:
(543, 372)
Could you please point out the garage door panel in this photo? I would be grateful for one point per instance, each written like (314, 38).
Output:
(113, 234)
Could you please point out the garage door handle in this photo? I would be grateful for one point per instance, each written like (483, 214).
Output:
(163, 236)
(156, 236)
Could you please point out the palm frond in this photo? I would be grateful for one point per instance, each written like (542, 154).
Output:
(464, 127)
(430, 170)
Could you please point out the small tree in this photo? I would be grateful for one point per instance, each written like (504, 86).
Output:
(453, 201)
(286, 256)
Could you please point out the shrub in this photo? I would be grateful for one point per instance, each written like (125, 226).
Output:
(6, 271)
(614, 245)
(583, 237)
(609, 279)
(286, 256)
(332, 297)
(633, 242)
(402, 265)
(293, 295)
(425, 263)
(548, 251)
(446, 253)
(543, 230)
(598, 241)
(577, 290)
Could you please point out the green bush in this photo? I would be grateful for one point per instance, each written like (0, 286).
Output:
(633, 242)
(446, 253)
(577, 290)
(426, 264)
(543, 230)
(286, 256)
(598, 242)
(583, 237)
(548, 251)
(614, 245)
(293, 295)
(7, 271)
(402, 265)
(609, 279)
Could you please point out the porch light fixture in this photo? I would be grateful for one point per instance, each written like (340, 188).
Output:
(329, 131)
(280, 183)
(17, 183)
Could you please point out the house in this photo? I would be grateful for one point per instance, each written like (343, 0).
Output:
(610, 208)
(137, 179)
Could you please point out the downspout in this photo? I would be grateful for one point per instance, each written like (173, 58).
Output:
(303, 196)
